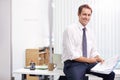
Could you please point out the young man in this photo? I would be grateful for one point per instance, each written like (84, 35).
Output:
(79, 51)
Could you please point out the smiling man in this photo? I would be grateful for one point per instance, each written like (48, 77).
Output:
(79, 51)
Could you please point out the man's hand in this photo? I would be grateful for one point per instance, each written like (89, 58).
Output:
(99, 59)
(92, 60)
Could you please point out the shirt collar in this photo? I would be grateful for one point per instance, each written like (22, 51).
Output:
(81, 26)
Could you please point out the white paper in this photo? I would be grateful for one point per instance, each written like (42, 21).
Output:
(107, 66)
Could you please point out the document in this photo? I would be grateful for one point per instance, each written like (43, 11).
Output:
(107, 66)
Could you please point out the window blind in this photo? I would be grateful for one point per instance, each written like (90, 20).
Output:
(104, 22)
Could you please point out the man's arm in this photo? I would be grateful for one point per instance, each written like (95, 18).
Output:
(89, 60)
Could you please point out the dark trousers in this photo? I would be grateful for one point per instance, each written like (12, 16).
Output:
(76, 71)
(65, 78)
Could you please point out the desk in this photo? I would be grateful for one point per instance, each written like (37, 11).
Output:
(117, 73)
(23, 72)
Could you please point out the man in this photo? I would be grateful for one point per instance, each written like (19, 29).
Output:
(80, 54)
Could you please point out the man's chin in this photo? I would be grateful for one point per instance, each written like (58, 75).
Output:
(85, 24)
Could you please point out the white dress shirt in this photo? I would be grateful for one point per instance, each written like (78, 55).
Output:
(72, 42)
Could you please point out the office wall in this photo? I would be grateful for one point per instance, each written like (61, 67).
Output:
(29, 28)
(5, 40)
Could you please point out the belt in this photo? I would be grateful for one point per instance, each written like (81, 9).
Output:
(70, 61)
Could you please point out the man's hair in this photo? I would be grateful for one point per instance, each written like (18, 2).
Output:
(84, 6)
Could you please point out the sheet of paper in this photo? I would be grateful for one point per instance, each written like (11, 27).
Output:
(107, 66)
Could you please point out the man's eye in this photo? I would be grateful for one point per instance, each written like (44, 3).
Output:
(89, 14)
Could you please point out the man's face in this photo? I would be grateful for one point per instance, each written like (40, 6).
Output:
(85, 16)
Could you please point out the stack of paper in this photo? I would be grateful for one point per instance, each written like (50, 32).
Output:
(107, 66)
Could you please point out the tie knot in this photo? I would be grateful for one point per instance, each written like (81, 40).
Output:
(84, 29)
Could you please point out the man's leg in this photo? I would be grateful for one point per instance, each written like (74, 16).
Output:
(75, 70)
(110, 76)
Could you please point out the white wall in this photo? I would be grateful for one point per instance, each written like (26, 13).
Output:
(29, 28)
(5, 40)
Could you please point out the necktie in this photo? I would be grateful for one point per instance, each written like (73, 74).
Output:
(84, 43)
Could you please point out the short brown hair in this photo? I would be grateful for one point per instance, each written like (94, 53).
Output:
(83, 6)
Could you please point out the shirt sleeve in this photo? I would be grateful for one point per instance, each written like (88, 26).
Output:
(94, 50)
(69, 46)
